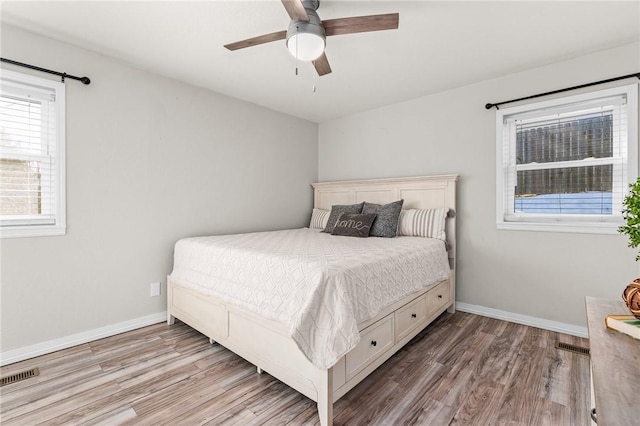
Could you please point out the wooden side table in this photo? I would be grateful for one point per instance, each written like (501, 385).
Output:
(615, 366)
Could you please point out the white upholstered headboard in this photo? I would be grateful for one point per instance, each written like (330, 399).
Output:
(420, 192)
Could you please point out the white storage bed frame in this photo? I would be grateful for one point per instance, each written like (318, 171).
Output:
(265, 343)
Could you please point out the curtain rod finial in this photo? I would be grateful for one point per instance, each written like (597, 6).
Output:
(85, 80)
(489, 106)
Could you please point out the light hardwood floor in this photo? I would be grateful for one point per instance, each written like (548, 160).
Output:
(463, 369)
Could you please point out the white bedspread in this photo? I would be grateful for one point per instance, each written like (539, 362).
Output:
(318, 285)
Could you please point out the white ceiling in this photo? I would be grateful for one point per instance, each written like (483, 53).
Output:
(438, 46)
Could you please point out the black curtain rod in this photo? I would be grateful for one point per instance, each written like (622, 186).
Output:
(609, 80)
(64, 75)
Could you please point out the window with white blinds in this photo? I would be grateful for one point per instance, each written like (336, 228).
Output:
(32, 185)
(565, 164)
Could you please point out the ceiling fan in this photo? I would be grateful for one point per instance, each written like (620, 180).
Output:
(307, 33)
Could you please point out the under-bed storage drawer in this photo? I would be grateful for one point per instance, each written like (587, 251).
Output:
(409, 317)
(439, 297)
(374, 341)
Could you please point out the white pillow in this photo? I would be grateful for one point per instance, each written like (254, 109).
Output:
(319, 219)
(423, 223)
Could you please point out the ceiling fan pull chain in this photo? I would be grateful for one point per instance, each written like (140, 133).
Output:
(297, 28)
(314, 78)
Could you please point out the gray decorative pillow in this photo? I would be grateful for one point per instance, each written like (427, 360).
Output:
(354, 225)
(386, 223)
(337, 210)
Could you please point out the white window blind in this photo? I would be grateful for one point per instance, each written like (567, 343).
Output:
(565, 164)
(31, 156)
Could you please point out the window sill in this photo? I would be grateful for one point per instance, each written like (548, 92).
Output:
(32, 231)
(582, 228)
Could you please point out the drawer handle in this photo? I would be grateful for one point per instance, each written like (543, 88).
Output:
(439, 296)
(374, 343)
(414, 316)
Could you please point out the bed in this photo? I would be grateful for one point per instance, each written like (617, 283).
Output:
(319, 341)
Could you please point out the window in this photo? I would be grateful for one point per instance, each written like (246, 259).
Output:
(32, 185)
(565, 164)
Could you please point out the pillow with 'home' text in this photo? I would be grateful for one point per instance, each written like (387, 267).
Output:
(354, 225)
(337, 210)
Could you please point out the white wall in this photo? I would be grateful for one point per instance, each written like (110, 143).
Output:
(542, 275)
(149, 160)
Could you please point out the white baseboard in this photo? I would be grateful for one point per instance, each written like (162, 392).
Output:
(15, 355)
(545, 324)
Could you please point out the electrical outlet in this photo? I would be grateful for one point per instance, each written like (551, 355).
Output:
(155, 289)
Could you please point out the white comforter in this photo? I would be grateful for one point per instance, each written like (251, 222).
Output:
(318, 285)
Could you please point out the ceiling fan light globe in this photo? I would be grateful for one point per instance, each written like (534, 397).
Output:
(306, 46)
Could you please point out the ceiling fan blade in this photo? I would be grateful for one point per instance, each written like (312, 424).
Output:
(361, 24)
(265, 38)
(295, 9)
(322, 65)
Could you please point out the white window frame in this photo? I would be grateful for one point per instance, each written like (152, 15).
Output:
(55, 224)
(506, 168)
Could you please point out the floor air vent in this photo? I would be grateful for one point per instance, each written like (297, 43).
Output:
(23, 375)
(573, 348)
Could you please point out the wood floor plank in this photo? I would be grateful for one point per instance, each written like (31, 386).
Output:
(579, 391)
(124, 340)
(54, 358)
(216, 354)
(368, 407)
(174, 400)
(49, 392)
(121, 400)
(497, 362)
(209, 412)
(150, 350)
(281, 410)
(266, 399)
(111, 418)
(232, 418)
(550, 413)
(455, 386)
(50, 368)
(49, 411)
(307, 417)
(181, 366)
(472, 410)
(522, 386)
(50, 399)
(414, 394)
(556, 375)
(492, 326)
(433, 413)
(463, 369)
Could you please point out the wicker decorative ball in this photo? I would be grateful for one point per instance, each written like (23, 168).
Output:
(631, 296)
